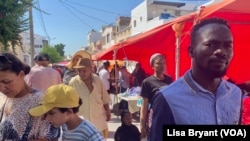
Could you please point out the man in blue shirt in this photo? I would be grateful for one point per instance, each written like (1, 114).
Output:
(201, 96)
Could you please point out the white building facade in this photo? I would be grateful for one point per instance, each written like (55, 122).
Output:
(39, 42)
(146, 16)
(93, 37)
(151, 13)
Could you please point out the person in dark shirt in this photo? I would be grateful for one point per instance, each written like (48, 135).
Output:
(127, 131)
(139, 75)
(150, 86)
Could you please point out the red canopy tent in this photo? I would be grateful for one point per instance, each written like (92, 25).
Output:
(162, 39)
(63, 63)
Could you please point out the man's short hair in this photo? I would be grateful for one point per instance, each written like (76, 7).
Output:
(36, 58)
(43, 57)
(106, 63)
(204, 22)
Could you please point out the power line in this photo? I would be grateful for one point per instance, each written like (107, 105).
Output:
(32, 5)
(42, 21)
(66, 5)
(85, 13)
(95, 8)
(76, 15)
(101, 10)
(105, 11)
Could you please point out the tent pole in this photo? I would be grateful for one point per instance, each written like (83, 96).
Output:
(177, 27)
(177, 58)
(116, 81)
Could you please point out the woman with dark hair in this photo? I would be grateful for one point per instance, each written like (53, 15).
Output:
(16, 100)
(127, 131)
(138, 74)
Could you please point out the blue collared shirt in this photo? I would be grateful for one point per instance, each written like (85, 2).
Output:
(185, 102)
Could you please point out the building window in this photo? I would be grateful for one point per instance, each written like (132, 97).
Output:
(45, 42)
(103, 40)
(134, 23)
(108, 38)
(140, 18)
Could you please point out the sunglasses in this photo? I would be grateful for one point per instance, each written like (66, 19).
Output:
(4, 61)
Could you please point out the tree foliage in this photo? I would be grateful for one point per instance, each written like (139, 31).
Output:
(53, 54)
(12, 22)
(60, 48)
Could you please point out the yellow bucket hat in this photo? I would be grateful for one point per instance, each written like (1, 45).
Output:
(56, 96)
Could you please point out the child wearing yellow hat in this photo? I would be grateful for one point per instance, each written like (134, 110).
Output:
(60, 105)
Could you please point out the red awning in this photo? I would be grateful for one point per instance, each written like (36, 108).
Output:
(63, 63)
(162, 39)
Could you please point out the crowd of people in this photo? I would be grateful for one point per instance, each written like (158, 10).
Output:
(37, 103)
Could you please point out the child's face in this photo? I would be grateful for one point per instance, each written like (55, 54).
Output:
(127, 120)
(56, 117)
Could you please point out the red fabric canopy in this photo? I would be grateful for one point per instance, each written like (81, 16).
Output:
(162, 39)
(63, 63)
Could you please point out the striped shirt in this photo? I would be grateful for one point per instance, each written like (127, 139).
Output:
(86, 131)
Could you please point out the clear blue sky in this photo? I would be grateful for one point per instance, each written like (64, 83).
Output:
(69, 21)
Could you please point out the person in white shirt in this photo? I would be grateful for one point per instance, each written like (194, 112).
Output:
(105, 75)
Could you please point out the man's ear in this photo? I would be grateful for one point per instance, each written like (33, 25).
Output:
(191, 51)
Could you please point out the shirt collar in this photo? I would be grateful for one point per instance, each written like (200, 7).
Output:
(196, 87)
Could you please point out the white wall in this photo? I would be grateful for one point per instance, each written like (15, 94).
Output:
(93, 37)
(147, 15)
(139, 14)
(38, 44)
(106, 31)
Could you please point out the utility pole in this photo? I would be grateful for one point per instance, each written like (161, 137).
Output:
(31, 34)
